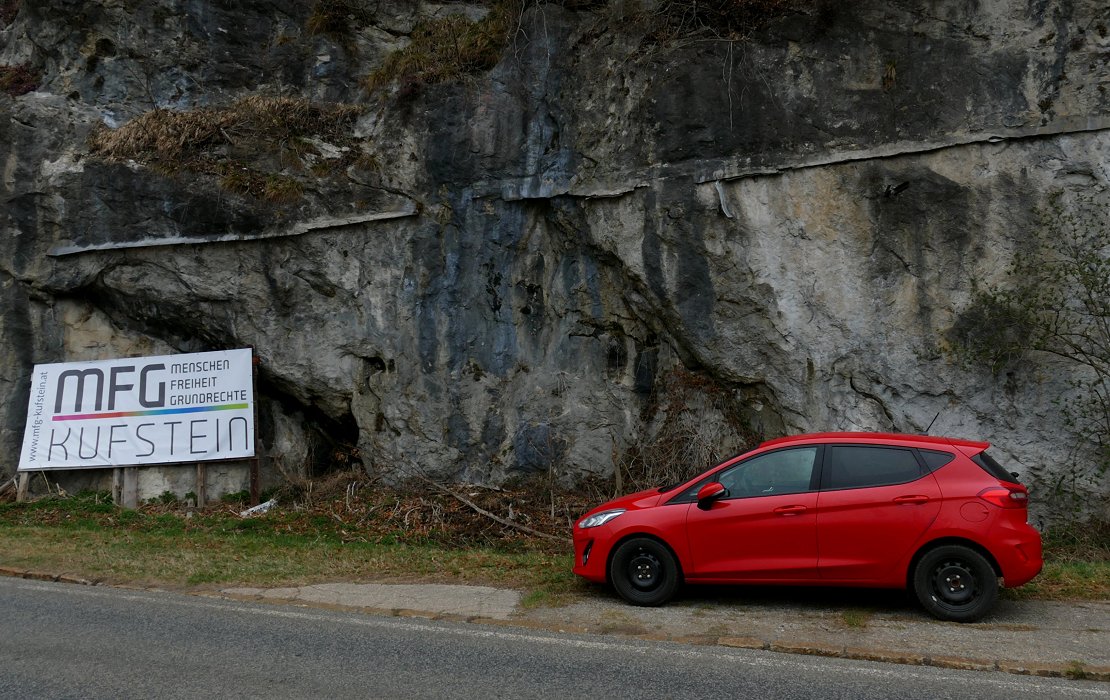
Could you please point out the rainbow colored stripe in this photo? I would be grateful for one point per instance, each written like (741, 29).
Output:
(154, 412)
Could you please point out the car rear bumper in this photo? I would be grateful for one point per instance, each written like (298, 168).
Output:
(1019, 554)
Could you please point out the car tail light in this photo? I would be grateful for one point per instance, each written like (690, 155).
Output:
(1006, 496)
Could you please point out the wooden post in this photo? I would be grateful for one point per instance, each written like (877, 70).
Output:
(202, 485)
(129, 496)
(23, 487)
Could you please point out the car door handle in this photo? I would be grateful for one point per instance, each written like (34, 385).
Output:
(790, 510)
(911, 500)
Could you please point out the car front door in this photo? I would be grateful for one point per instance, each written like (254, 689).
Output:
(875, 504)
(764, 528)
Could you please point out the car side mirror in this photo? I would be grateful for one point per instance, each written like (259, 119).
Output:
(709, 493)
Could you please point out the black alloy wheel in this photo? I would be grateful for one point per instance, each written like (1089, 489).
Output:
(955, 583)
(644, 572)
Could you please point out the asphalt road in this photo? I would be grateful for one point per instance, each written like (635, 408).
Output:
(68, 641)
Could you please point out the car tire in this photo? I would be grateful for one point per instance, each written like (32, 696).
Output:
(955, 583)
(644, 572)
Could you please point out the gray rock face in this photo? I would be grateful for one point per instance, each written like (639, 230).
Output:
(508, 280)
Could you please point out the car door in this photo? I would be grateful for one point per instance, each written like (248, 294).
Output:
(764, 528)
(875, 504)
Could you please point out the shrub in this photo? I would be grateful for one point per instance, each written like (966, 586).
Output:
(1056, 301)
(691, 423)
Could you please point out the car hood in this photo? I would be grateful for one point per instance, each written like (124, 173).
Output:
(633, 501)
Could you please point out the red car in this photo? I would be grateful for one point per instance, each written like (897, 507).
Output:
(937, 515)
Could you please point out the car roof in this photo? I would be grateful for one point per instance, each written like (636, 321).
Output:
(881, 438)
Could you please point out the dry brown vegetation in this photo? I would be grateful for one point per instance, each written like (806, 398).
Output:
(337, 18)
(693, 424)
(728, 19)
(228, 142)
(448, 48)
(18, 80)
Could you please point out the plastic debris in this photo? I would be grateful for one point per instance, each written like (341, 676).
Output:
(258, 509)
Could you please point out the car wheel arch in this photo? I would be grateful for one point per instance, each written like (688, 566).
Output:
(633, 535)
(942, 542)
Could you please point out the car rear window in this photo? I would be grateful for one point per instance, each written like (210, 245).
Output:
(991, 466)
(935, 459)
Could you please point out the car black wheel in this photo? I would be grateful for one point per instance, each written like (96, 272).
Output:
(644, 572)
(955, 583)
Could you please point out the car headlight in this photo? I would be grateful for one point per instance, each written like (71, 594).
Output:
(600, 518)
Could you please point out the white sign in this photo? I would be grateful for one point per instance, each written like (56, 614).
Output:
(142, 410)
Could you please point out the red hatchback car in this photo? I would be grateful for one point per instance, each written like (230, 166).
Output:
(937, 515)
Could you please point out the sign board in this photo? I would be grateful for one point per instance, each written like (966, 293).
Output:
(142, 410)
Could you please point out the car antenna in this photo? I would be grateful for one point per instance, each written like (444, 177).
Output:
(932, 421)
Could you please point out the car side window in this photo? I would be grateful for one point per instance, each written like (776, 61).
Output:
(935, 459)
(771, 474)
(859, 466)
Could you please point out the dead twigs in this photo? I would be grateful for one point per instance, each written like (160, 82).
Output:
(481, 511)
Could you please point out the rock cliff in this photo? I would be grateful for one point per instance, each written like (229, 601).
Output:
(487, 240)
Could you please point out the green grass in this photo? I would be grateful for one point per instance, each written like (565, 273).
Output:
(373, 540)
(1067, 580)
(856, 619)
(87, 537)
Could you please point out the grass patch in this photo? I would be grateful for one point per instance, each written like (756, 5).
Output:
(1077, 671)
(1077, 565)
(856, 619)
(179, 556)
(363, 534)
(1074, 580)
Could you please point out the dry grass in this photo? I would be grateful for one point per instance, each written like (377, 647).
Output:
(171, 137)
(337, 18)
(448, 48)
(235, 144)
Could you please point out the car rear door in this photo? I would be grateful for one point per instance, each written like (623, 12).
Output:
(875, 504)
(765, 528)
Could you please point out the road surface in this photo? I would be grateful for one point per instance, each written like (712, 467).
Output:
(69, 641)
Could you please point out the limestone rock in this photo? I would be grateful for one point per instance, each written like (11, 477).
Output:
(504, 275)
